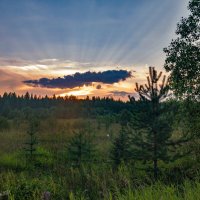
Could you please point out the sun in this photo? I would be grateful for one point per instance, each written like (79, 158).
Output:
(82, 91)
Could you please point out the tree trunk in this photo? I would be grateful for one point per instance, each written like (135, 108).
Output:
(155, 160)
(155, 142)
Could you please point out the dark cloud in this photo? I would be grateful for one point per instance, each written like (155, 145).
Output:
(98, 87)
(80, 79)
(120, 93)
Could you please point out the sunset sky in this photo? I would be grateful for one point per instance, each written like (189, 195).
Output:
(107, 44)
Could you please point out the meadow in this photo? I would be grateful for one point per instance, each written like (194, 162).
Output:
(95, 178)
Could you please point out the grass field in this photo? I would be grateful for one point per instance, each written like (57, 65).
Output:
(94, 180)
(23, 186)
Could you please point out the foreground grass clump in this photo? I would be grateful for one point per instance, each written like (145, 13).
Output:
(188, 191)
(23, 186)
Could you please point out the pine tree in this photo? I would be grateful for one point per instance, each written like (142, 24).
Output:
(152, 130)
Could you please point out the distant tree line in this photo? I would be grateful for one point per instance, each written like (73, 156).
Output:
(12, 104)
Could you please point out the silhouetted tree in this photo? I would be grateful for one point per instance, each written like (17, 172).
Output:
(183, 55)
(152, 131)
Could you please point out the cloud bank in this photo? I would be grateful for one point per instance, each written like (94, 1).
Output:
(80, 79)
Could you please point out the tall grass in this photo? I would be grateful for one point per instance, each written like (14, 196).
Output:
(84, 185)
(188, 191)
(52, 171)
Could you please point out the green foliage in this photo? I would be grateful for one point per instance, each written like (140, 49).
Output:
(188, 123)
(12, 161)
(152, 131)
(44, 157)
(188, 191)
(107, 120)
(98, 185)
(183, 55)
(81, 148)
(31, 143)
(125, 117)
(96, 178)
(4, 124)
(120, 151)
(22, 186)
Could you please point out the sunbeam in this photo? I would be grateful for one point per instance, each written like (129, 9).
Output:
(59, 39)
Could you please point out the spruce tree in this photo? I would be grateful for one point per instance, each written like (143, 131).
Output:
(30, 144)
(120, 151)
(80, 148)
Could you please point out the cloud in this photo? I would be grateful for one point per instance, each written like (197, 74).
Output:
(51, 66)
(98, 87)
(51, 63)
(120, 93)
(80, 79)
(14, 62)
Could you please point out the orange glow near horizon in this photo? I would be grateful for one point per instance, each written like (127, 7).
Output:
(83, 91)
(12, 77)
